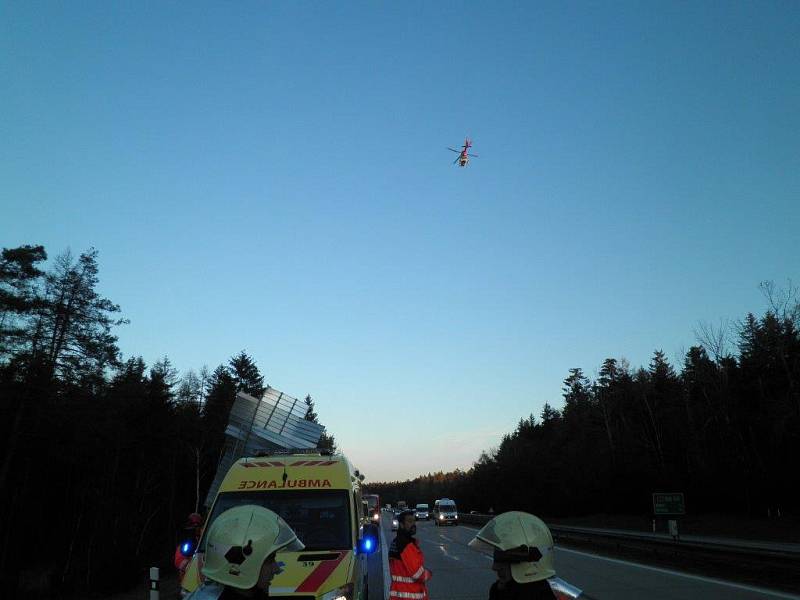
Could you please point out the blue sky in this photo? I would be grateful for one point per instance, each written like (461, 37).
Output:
(273, 177)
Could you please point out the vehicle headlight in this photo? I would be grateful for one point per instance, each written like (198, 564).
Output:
(441, 517)
(395, 522)
(456, 516)
(343, 593)
(376, 517)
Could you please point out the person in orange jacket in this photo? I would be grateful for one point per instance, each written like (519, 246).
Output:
(407, 563)
(188, 543)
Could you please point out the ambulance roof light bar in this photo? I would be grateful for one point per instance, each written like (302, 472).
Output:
(287, 451)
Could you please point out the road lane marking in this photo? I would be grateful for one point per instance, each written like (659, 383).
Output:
(442, 548)
(749, 588)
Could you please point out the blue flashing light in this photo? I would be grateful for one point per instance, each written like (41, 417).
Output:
(187, 548)
(367, 545)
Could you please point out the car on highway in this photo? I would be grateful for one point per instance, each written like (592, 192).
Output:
(422, 512)
(445, 512)
(373, 507)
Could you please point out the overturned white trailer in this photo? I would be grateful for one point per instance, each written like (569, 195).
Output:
(273, 422)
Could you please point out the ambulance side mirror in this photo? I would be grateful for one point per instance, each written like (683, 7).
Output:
(370, 539)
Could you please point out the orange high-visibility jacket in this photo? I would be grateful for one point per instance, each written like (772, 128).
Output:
(180, 562)
(409, 574)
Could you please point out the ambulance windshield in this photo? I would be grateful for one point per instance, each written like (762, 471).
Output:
(321, 519)
(447, 508)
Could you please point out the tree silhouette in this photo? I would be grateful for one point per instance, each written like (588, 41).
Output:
(246, 375)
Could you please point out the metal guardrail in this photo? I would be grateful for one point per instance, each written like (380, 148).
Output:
(629, 538)
(565, 532)
(474, 519)
(773, 567)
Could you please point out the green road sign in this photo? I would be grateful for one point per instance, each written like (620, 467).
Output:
(669, 504)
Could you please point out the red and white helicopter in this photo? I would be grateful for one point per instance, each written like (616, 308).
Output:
(463, 155)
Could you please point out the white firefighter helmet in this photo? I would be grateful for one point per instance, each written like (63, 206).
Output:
(240, 540)
(521, 540)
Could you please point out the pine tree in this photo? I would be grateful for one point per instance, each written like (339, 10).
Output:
(220, 398)
(73, 329)
(19, 295)
(327, 442)
(246, 375)
(68, 341)
(190, 389)
(216, 408)
(605, 392)
(310, 414)
(165, 374)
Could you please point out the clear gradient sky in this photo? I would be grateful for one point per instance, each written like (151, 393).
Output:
(272, 176)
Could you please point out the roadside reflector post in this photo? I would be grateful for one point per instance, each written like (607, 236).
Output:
(154, 593)
(654, 525)
(673, 528)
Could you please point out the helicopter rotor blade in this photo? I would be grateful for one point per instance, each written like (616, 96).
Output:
(475, 155)
(454, 150)
(457, 159)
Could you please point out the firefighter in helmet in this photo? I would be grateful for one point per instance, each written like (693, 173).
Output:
(240, 555)
(522, 548)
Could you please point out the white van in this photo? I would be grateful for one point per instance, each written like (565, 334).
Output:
(445, 512)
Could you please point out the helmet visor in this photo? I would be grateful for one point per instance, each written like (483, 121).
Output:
(513, 556)
(482, 546)
(487, 539)
(287, 540)
(294, 545)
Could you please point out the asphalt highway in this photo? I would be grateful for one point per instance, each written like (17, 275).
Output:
(460, 573)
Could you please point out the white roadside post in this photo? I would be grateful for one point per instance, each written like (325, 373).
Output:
(154, 593)
(673, 529)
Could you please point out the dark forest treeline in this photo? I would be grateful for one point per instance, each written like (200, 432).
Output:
(100, 459)
(725, 430)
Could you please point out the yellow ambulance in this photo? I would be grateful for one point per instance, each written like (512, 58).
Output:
(319, 496)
